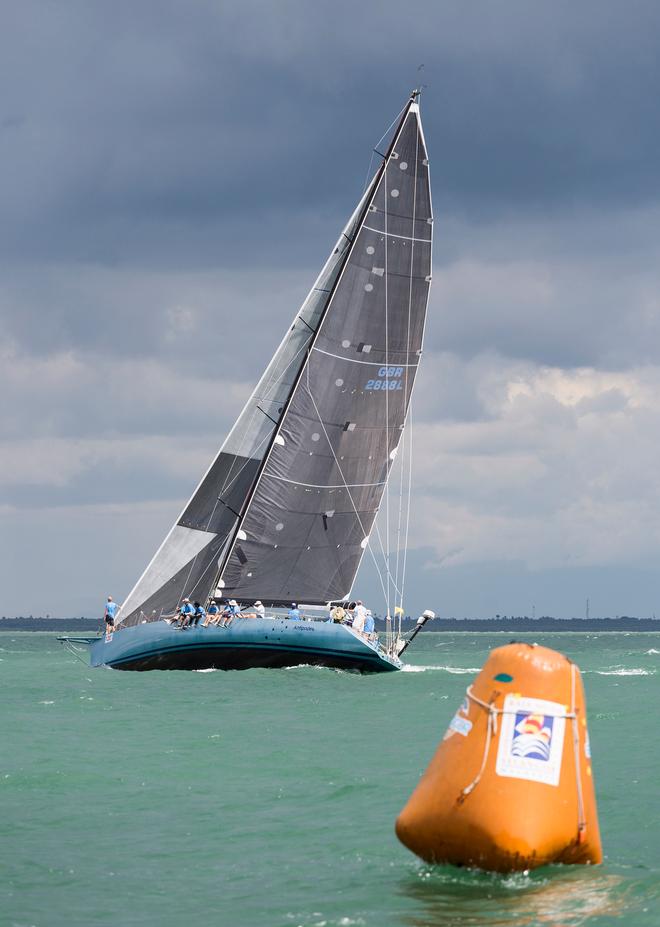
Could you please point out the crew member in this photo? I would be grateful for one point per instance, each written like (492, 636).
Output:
(199, 612)
(359, 614)
(230, 613)
(337, 614)
(369, 625)
(110, 612)
(185, 613)
(211, 615)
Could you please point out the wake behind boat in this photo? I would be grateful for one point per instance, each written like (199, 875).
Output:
(286, 509)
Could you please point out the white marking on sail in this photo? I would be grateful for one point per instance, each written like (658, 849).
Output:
(392, 235)
(354, 360)
(284, 479)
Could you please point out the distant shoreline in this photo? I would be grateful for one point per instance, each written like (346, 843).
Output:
(523, 625)
(439, 625)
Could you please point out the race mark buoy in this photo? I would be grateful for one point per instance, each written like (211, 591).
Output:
(510, 787)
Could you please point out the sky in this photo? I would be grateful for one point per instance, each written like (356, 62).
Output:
(172, 177)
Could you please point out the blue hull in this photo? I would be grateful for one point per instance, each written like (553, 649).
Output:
(246, 644)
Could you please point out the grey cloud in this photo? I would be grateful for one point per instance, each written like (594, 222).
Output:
(203, 322)
(517, 295)
(153, 128)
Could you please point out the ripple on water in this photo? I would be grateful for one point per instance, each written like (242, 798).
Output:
(456, 670)
(550, 895)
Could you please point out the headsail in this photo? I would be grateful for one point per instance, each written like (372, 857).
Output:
(188, 560)
(308, 517)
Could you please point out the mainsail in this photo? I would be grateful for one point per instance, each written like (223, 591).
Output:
(286, 508)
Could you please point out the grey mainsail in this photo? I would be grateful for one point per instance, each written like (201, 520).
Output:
(309, 516)
(285, 509)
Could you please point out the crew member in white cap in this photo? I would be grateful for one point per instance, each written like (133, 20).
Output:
(259, 611)
(230, 612)
(185, 611)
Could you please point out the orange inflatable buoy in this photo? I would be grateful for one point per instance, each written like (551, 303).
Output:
(510, 786)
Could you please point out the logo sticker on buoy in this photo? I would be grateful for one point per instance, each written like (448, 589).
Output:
(531, 740)
(460, 725)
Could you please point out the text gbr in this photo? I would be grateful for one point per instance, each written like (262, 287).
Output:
(388, 379)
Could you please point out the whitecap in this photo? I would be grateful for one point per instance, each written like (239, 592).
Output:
(210, 669)
(653, 650)
(634, 671)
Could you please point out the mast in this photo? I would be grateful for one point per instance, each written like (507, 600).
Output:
(276, 433)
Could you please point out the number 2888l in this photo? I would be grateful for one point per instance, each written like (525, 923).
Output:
(388, 379)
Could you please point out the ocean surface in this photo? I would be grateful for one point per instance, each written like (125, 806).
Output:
(269, 797)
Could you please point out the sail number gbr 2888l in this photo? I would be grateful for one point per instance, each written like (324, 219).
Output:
(388, 378)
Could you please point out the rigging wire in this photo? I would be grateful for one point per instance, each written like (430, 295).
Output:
(402, 472)
(387, 404)
(373, 150)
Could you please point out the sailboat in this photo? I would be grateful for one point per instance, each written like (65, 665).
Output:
(284, 513)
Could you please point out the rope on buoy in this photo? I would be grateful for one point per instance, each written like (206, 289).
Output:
(491, 730)
(582, 821)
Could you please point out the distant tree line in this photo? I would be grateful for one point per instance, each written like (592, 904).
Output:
(521, 624)
(85, 625)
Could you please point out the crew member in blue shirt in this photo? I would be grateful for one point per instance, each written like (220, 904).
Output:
(185, 612)
(294, 613)
(110, 612)
(230, 612)
(199, 612)
(369, 625)
(211, 615)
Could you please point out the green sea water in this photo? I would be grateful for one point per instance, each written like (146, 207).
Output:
(269, 797)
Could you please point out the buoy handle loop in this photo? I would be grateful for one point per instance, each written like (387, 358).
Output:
(491, 729)
(508, 711)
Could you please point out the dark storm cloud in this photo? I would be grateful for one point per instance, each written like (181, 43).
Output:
(157, 136)
(132, 132)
